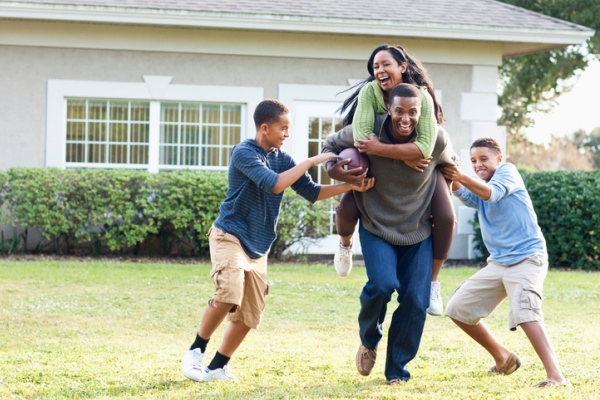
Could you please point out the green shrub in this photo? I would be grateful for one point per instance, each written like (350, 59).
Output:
(181, 206)
(567, 204)
(105, 211)
(116, 209)
(568, 207)
(3, 184)
(299, 220)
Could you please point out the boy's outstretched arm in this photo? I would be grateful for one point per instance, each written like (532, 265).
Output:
(287, 178)
(478, 187)
(328, 191)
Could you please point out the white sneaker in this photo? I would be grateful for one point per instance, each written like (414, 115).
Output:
(192, 365)
(343, 260)
(219, 374)
(436, 307)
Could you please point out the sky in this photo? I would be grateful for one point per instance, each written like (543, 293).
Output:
(576, 109)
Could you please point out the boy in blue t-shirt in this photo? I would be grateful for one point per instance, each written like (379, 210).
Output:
(241, 236)
(517, 265)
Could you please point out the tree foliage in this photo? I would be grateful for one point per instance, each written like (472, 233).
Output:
(561, 154)
(532, 83)
(588, 143)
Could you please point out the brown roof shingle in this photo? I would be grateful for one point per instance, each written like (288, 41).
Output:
(474, 13)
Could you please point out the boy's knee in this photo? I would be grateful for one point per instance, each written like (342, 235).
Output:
(213, 303)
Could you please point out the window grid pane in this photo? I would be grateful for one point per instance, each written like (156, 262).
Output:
(198, 134)
(104, 131)
(100, 132)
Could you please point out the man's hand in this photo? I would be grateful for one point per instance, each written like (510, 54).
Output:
(353, 176)
(365, 185)
(419, 165)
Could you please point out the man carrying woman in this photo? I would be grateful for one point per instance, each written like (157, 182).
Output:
(389, 66)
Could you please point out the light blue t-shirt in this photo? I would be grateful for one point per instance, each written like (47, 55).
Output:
(250, 209)
(508, 221)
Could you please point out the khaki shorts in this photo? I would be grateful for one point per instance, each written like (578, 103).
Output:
(522, 283)
(239, 279)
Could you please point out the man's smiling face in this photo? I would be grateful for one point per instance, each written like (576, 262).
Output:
(405, 113)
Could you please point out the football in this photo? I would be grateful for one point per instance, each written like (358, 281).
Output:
(357, 159)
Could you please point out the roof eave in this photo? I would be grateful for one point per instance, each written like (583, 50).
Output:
(536, 39)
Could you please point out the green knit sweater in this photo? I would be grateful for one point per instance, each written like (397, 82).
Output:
(370, 102)
(397, 208)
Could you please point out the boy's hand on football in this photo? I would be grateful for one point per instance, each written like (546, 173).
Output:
(365, 185)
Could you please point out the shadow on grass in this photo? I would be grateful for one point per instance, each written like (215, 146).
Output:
(123, 391)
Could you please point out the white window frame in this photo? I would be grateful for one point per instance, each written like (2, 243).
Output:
(154, 89)
(294, 94)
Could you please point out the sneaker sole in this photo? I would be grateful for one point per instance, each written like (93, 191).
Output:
(192, 378)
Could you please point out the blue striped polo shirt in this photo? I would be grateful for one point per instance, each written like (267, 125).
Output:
(250, 209)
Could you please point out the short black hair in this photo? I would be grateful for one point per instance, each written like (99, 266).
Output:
(268, 112)
(404, 90)
(490, 143)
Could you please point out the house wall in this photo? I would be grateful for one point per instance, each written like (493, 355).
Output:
(26, 71)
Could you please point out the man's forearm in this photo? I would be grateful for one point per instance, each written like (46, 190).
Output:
(401, 151)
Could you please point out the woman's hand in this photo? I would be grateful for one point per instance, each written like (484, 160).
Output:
(419, 165)
(370, 145)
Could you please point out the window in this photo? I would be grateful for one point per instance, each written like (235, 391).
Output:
(198, 134)
(107, 132)
(318, 129)
(152, 125)
(315, 116)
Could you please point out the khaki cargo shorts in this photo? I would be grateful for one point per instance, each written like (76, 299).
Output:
(522, 283)
(239, 279)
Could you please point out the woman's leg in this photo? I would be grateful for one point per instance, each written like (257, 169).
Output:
(444, 219)
(346, 218)
(442, 212)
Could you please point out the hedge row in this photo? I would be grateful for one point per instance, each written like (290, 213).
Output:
(567, 204)
(123, 211)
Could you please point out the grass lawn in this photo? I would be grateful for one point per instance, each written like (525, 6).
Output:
(110, 329)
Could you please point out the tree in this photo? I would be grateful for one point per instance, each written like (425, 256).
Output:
(593, 145)
(561, 154)
(532, 83)
(588, 143)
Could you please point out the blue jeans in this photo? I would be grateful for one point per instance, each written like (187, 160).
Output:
(407, 270)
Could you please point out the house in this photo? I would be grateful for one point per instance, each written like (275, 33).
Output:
(164, 84)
